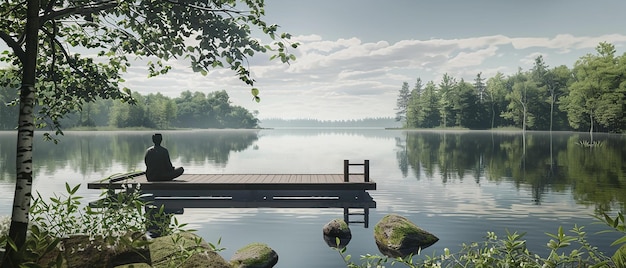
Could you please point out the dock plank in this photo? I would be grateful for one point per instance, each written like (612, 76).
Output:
(245, 181)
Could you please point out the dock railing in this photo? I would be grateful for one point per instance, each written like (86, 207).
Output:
(347, 173)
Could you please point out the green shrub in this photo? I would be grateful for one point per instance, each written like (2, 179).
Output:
(569, 249)
(115, 223)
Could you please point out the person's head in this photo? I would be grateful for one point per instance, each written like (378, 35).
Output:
(157, 138)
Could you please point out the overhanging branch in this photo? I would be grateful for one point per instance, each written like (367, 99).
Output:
(227, 11)
(17, 49)
(82, 10)
(56, 43)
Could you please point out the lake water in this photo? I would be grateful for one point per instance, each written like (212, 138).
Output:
(456, 185)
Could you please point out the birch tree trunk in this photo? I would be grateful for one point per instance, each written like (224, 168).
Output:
(26, 128)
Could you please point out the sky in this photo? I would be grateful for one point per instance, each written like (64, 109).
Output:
(354, 55)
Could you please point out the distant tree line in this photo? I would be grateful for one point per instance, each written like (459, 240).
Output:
(381, 122)
(189, 110)
(589, 97)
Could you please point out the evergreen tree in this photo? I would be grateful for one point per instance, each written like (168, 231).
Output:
(413, 109)
(446, 94)
(402, 102)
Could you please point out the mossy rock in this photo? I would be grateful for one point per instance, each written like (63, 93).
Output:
(82, 251)
(337, 229)
(397, 236)
(255, 255)
(184, 250)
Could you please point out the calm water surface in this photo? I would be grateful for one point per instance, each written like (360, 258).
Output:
(456, 185)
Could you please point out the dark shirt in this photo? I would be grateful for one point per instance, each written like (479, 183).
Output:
(158, 162)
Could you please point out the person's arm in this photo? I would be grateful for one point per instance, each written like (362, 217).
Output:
(169, 161)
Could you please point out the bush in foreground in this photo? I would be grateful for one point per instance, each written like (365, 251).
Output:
(569, 249)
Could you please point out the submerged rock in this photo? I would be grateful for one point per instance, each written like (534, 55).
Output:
(337, 229)
(255, 255)
(397, 236)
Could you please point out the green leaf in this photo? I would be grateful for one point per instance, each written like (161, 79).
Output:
(67, 188)
(74, 190)
(254, 91)
(608, 219)
(619, 241)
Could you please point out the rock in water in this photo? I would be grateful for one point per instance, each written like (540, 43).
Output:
(255, 255)
(337, 228)
(396, 236)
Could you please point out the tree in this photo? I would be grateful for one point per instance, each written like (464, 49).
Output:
(465, 105)
(446, 93)
(159, 111)
(523, 93)
(539, 74)
(496, 90)
(58, 81)
(413, 108)
(402, 102)
(480, 87)
(124, 115)
(597, 95)
(428, 104)
(559, 78)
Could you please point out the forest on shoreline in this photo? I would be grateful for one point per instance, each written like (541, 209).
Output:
(589, 97)
(153, 111)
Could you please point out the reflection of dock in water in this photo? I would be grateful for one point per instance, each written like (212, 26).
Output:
(347, 191)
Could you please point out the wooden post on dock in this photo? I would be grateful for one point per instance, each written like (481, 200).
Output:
(346, 170)
(366, 171)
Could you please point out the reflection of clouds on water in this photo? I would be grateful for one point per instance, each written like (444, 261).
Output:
(246, 216)
(487, 200)
(306, 154)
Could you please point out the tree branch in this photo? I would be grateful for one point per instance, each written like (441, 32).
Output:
(50, 6)
(7, 12)
(69, 60)
(227, 11)
(17, 49)
(83, 10)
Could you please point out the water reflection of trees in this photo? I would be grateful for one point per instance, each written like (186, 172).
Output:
(214, 146)
(88, 152)
(542, 162)
(7, 154)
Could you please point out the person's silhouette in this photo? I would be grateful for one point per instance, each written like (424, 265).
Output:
(158, 164)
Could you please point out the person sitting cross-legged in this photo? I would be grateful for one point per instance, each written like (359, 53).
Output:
(158, 164)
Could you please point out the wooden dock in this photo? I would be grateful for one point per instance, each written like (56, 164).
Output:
(347, 190)
(239, 182)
